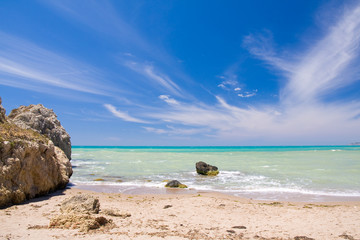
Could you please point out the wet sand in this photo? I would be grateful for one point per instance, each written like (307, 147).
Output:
(265, 196)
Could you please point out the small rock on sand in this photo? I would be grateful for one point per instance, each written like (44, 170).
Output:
(80, 204)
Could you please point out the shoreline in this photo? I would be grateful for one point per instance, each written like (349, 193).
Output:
(177, 192)
(186, 216)
(268, 196)
(305, 175)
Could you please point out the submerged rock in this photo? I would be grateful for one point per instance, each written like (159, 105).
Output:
(175, 184)
(206, 169)
(44, 121)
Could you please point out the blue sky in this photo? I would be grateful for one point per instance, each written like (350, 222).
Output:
(187, 72)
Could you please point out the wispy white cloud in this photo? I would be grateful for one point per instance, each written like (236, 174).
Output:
(327, 66)
(231, 83)
(270, 124)
(122, 115)
(227, 84)
(229, 79)
(168, 100)
(248, 94)
(195, 115)
(170, 130)
(162, 79)
(301, 116)
(155, 130)
(25, 65)
(261, 46)
(104, 18)
(157, 78)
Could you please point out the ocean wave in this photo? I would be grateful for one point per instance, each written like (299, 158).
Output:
(83, 162)
(271, 192)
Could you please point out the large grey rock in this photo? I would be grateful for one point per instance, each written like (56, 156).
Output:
(2, 113)
(206, 169)
(44, 121)
(31, 168)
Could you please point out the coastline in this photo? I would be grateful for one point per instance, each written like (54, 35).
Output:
(201, 215)
(103, 187)
(268, 173)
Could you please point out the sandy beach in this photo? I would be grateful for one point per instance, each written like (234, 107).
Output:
(185, 216)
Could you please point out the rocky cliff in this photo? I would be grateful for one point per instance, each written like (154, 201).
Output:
(30, 164)
(44, 121)
(2, 112)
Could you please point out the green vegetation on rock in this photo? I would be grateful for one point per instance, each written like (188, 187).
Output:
(212, 173)
(10, 132)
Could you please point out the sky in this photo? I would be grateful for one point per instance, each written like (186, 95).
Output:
(187, 73)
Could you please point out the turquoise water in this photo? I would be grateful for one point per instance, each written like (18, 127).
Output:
(308, 173)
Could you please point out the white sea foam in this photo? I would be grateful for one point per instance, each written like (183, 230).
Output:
(271, 192)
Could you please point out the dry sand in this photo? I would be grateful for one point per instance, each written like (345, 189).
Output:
(187, 216)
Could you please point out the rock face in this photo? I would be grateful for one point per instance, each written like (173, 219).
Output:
(44, 121)
(2, 113)
(30, 164)
(206, 169)
(175, 184)
(29, 169)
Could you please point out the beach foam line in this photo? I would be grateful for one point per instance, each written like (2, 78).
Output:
(239, 191)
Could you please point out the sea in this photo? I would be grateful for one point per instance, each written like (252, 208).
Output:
(284, 173)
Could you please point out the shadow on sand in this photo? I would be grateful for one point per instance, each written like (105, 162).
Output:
(43, 197)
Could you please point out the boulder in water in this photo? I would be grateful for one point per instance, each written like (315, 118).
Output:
(175, 184)
(206, 169)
